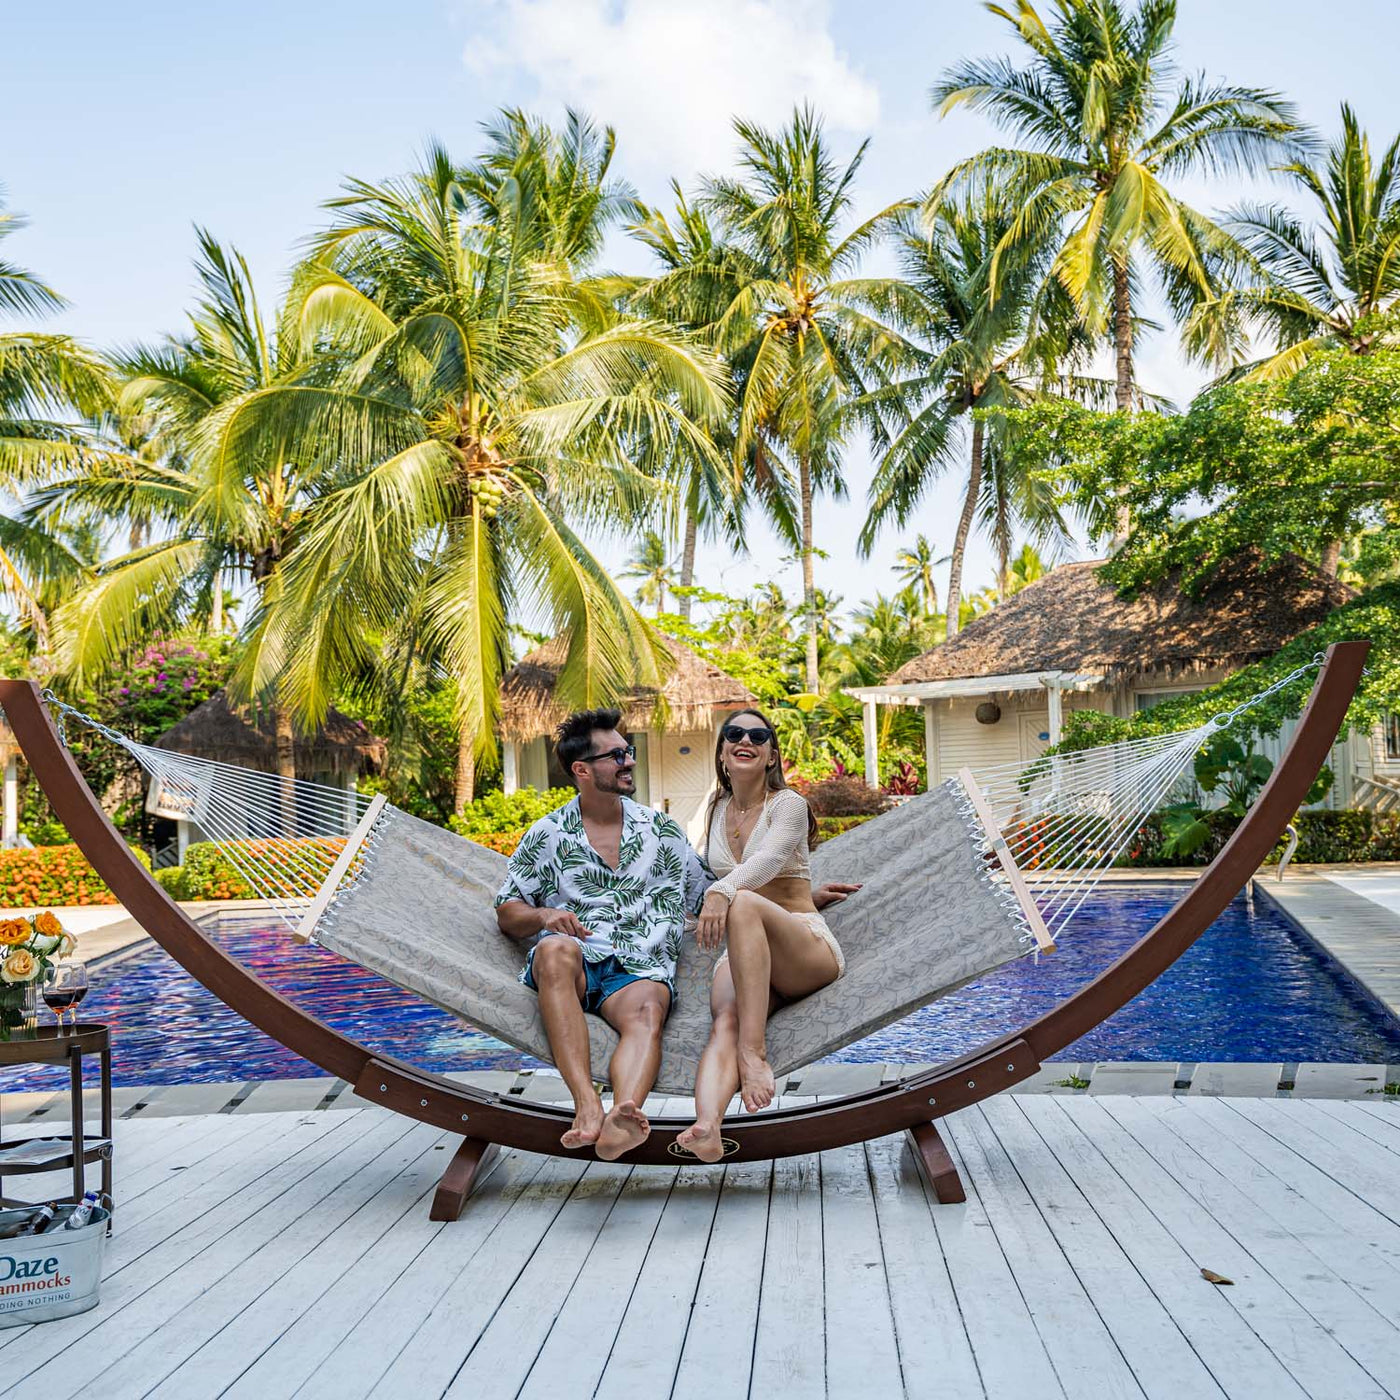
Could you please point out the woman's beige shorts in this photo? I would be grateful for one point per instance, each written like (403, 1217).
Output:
(817, 924)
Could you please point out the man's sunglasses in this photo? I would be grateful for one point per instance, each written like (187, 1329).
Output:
(736, 734)
(618, 756)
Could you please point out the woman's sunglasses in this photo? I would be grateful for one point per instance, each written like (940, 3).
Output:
(736, 734)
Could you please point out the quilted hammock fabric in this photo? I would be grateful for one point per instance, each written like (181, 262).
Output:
(927, 920)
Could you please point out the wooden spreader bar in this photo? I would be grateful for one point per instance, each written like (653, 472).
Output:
(485, 1119)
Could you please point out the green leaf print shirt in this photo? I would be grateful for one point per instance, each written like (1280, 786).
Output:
(635, 913)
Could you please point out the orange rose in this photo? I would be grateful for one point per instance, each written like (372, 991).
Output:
(47, 923)
(13, 932)
(20, 966)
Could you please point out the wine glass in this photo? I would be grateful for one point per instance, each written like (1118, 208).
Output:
(66, 986)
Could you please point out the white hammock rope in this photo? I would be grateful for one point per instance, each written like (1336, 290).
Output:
(1047, 830)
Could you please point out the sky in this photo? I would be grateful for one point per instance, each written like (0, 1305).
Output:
(124, 126)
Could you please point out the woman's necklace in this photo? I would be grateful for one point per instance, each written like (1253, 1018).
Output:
(738, 831)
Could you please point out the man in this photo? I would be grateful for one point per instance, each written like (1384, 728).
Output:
(604, 885)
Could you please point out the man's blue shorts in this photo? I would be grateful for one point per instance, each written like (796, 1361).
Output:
(603, 978)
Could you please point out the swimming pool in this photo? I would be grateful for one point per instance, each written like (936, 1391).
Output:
(1251, 988)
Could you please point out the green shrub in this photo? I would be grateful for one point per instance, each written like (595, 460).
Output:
(1324, 838)
(827, 827)
(497, 814)
(54, 875)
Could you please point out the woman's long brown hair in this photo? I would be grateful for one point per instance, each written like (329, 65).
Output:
(774, 777)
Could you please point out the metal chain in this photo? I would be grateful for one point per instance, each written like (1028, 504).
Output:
(1223, 721)
(66, 712)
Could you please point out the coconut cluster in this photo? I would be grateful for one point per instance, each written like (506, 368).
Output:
(490, 490)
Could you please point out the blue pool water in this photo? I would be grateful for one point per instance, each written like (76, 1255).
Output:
(1251, 988)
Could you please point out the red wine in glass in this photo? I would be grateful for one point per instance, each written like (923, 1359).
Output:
(65, 989)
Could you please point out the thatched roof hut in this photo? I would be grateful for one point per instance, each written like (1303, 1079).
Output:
(1073, 621)
(217, 731)
(694, 696)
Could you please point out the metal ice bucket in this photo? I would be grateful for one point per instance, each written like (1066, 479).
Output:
(50, 1275)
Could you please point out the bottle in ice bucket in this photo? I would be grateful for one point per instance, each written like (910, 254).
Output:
(35, 1225)
(82, 1212)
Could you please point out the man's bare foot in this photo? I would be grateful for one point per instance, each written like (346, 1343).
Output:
(624, 1128)
(702, 1140)
(756, 1083)
(588, 1123)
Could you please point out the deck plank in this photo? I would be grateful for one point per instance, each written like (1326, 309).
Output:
(1010, 1353)
(1234, 1354)
(575, 1353)
(416, 1340)
(1346, 1315)
(1295, 1208)
(714, 1359)
(862, 1356)
(116, 1351)
(498, 1362)
(935, 1354)
(1316, 1360)
(1158, 1351)
(788, 1356)
(418, 1258)
(647, 1350)
(1082, 1350)
(277, 1270)
(1349, 1158)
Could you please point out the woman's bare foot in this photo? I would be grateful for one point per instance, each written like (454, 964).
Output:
(588, 1123)
(702, 1140)
(756, 1083)
(624, 1128)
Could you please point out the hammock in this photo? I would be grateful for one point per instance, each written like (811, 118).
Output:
(957, 882)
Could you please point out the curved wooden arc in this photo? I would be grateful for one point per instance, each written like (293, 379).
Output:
(536, 1127)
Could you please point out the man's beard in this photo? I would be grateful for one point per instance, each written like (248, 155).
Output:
(623, 783)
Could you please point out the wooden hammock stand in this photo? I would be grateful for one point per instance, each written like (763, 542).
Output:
(486, 1120)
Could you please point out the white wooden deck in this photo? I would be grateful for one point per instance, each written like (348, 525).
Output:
(279, 1254)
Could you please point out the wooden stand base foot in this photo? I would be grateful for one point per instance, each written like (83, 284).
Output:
(467, 1164)
(932, 1155)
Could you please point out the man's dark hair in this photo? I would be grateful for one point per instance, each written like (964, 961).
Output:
(573, 739)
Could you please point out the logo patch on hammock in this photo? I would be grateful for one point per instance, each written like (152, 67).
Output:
(730, 1145)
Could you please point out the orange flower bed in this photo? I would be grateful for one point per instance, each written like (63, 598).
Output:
(51, 875)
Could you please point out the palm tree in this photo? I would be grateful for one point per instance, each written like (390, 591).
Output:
(1332, 283)
(802, 328)
(48, 384)
(694, 287)
(979, 352)
(653, 565)
(1105, 134)
(196, 479)
(914, 566)
(487, 399)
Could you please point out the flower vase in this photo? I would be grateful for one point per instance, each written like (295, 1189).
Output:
(19, 1009)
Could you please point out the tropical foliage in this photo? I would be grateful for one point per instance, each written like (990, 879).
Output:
(375, 491)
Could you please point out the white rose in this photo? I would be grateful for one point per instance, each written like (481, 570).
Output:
(42, 944)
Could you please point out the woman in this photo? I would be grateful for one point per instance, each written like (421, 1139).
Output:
(758, 834)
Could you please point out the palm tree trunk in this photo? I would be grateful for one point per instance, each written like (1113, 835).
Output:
(1123, 354)
(660, 598)
(809, 586)
(1003, 574)
(1331, 558)
(216, 609)
(286, 762)
(464, 785)
(687, 564)
(955, 565)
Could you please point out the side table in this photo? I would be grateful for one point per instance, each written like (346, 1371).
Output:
(23, 1156)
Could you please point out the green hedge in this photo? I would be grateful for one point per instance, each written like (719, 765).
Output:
(1324, 838)
(497, 815)
(54, 875)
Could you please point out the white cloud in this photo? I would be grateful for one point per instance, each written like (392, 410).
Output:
(670, 75)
